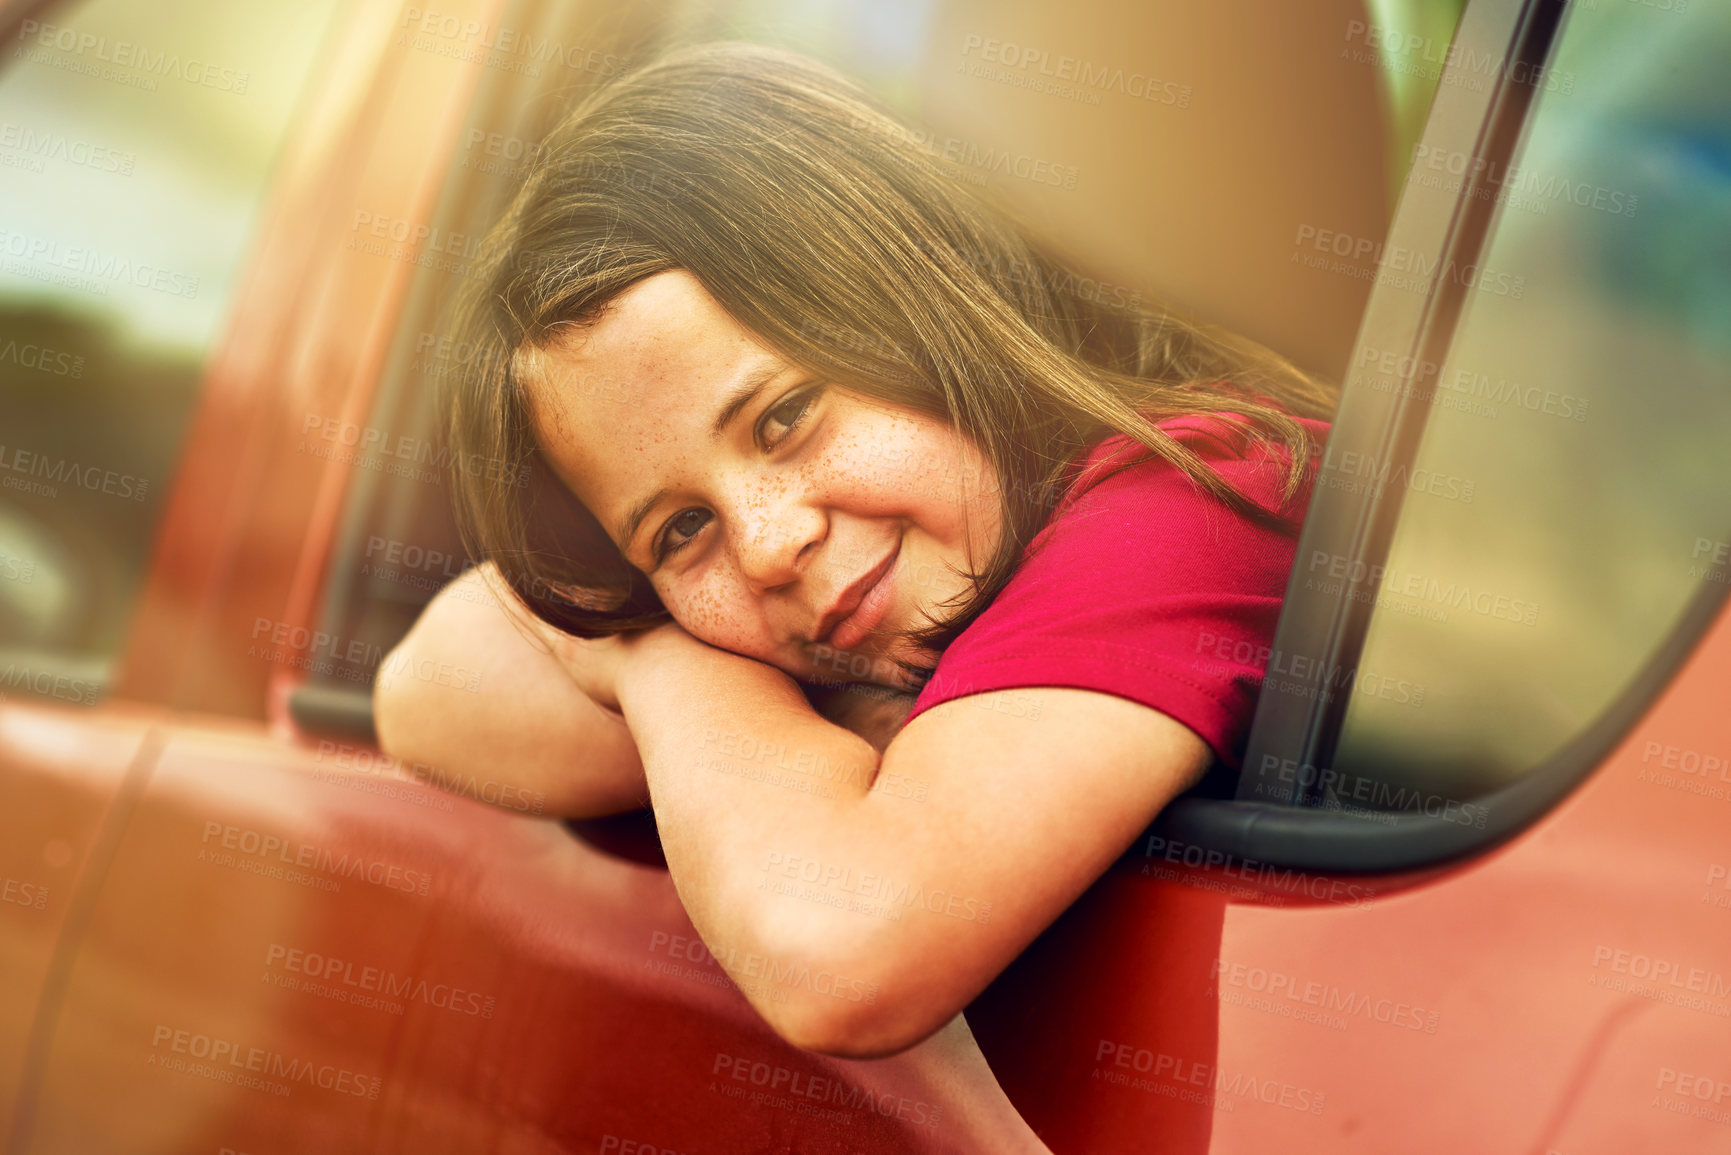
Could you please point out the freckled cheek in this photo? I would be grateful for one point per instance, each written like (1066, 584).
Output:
(872, 471)
(935, 479)
(730, 620)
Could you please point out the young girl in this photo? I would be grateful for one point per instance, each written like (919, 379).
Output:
(802, 411)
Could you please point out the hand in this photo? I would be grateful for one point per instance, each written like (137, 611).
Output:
(595, 663)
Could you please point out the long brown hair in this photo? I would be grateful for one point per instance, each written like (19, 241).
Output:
(820, 224)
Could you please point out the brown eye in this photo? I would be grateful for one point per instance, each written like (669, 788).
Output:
(677, 533)
(787, 414)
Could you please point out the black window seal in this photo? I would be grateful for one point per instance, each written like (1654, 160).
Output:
(1283, 835)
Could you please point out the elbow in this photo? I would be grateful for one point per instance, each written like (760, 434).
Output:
(404, 712)
(406, 706)
(388, 708)
(857, 1005)
(394, 702)
(843, 1035)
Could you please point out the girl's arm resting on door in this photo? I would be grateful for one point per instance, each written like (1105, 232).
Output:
(861, 901)
(486, 692)
(512, 716)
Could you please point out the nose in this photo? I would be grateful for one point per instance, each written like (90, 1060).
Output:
(779, 527)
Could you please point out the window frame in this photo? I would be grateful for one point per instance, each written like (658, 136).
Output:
(1382, 422)
(327, 708)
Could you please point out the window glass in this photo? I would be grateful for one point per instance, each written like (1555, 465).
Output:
(398, 543)
(136, 142)
(1408, 41)
(1571, 492)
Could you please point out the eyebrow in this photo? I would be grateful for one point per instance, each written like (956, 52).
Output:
(743, 393)
(738, 399)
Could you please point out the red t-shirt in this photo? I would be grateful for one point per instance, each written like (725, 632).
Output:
(1145, 587)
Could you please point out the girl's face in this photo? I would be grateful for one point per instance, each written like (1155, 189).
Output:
(776, 516)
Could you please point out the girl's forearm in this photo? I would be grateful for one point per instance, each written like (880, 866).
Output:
(719, 733)
(513, 726)
(746, 777)
(840, 888)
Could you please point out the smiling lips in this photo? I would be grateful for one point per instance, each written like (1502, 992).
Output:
(861, 606)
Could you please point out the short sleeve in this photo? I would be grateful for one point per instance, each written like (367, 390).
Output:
(1143, 586)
